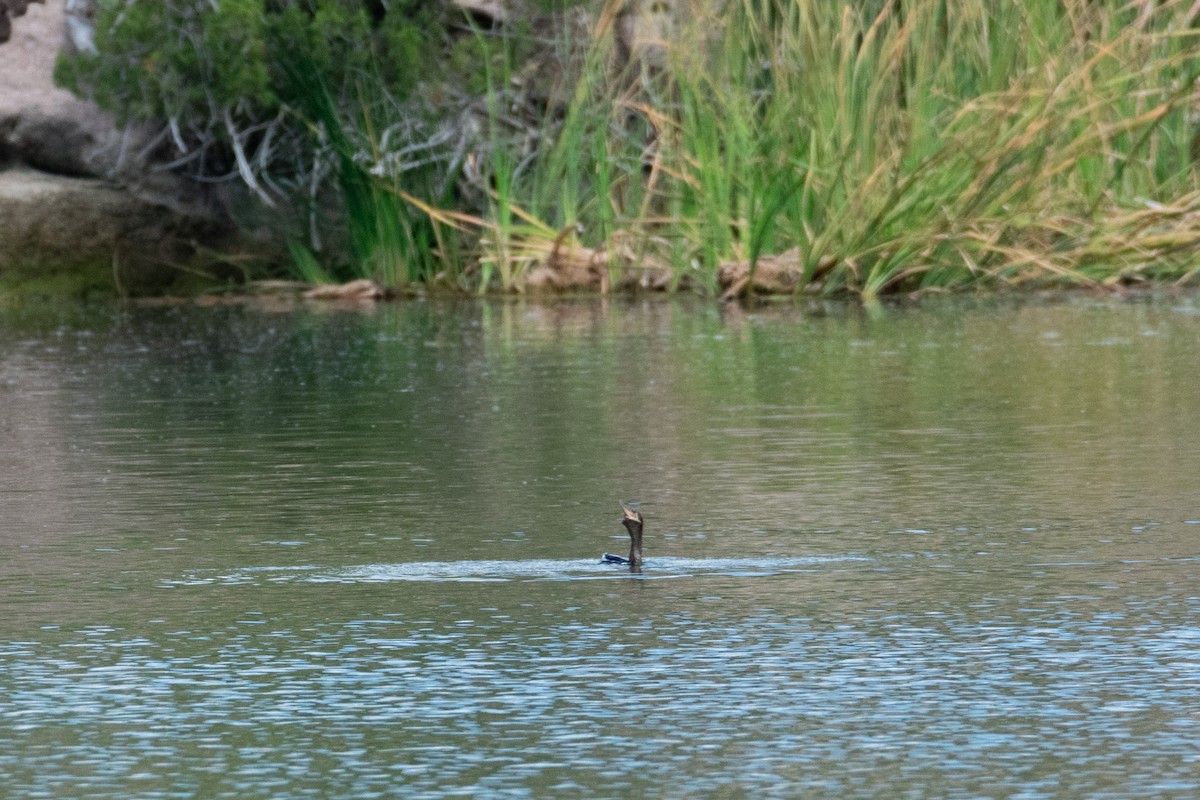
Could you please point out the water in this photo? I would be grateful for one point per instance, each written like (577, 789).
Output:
(940, 552)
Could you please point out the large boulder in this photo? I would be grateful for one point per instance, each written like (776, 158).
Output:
(8, 10)
(76, 195)
(80, 235)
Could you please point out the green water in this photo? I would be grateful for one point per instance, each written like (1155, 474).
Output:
(949, 551)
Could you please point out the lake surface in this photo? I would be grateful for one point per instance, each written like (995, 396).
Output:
(940, 552)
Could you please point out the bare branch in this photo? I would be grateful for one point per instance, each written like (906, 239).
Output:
(239, 153)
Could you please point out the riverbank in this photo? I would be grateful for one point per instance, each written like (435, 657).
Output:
(742, 149)
(856, 151)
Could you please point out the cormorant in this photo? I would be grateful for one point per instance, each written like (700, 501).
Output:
(632, 520)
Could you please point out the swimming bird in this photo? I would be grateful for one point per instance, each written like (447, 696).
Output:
(632, 520)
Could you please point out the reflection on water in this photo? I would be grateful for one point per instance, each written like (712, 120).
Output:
(947, 552)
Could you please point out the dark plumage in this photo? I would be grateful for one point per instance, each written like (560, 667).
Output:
(632, 520)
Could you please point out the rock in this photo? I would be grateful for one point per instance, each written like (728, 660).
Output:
(8, 10)
(27, 62)
(61, 145)
(46, 127)
(358, 290)
(85, 234)
(627, 260)
(569, 267)
(80, 204)
(50, 129)
(642, 262)
(774, 274)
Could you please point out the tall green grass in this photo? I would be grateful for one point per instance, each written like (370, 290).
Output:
(934, 144)
(895, 146)
(390, 240)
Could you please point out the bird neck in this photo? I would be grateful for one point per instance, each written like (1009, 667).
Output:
(635, 542)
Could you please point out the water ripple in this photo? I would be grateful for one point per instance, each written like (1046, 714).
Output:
(505, 705)
(515, 570)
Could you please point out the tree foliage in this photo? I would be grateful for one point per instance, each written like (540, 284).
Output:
(220, 72)
(183, 58)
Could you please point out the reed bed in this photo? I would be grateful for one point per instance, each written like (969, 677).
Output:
(801, 146)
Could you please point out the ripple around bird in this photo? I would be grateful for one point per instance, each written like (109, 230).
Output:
(514, 570)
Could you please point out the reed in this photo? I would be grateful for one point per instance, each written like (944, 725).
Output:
(390, 239)
(889, 146)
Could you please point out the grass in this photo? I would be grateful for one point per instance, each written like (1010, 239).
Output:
(889, 146)
(390, 239)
